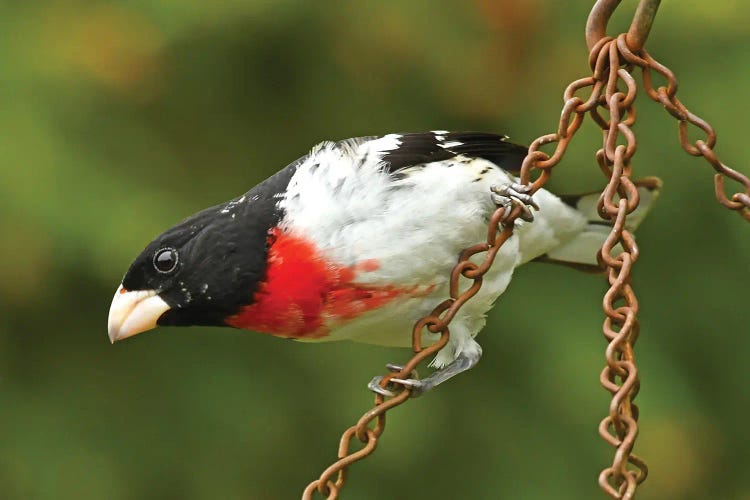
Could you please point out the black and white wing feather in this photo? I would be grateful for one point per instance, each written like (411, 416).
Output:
(414, 149)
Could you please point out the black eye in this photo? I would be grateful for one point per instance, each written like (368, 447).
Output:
(165, 260)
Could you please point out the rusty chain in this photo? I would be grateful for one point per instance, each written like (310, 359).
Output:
(611, 106)
(620, 198)
(614, 59)
(667, 96)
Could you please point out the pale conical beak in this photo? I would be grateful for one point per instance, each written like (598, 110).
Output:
(133, 312)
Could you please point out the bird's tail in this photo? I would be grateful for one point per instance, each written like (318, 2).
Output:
(581, 251)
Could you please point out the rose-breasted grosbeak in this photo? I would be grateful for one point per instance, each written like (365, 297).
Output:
(356, 241)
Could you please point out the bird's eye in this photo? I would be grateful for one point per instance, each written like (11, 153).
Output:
(165, 260)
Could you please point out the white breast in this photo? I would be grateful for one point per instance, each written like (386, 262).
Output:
(414, 228)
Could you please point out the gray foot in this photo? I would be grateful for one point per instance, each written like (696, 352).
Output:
(374, 384)
(417, 387)
(513, 194)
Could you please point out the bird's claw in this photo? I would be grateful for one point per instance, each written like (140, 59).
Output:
(394, 368)
(416, 387)
(375, 386)
(512, 194)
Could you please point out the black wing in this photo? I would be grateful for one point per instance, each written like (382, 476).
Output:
(426, 147)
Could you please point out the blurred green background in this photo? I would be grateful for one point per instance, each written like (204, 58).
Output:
(120, 118)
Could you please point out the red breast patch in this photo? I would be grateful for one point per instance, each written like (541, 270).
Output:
(304, 293)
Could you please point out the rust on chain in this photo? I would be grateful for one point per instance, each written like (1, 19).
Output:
(596, 25)
(610, 104)
(615, 115)
(612, 60)
(667, 97)
(642, 23)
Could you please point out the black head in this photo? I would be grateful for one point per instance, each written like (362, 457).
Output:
(206, 267)
(202, 270)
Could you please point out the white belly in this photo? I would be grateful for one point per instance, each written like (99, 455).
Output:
(413, 229)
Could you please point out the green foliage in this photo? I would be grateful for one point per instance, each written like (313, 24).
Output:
(120, 118)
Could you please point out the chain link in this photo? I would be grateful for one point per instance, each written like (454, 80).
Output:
(610, 105)
(617, 256)
(667, 96)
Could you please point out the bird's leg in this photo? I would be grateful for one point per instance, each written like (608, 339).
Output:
(463, 362)
(513, 194)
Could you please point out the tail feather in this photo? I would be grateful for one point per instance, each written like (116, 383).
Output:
(581, 251)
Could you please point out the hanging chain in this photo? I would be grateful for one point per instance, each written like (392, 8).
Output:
(667, 96)
(612, 61)
(618, 255)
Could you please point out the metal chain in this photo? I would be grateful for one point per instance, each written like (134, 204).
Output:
(614, 59)
(611, 60)
(620, 198)
(667, 96)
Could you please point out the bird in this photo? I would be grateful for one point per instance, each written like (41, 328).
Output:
(356, 241)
